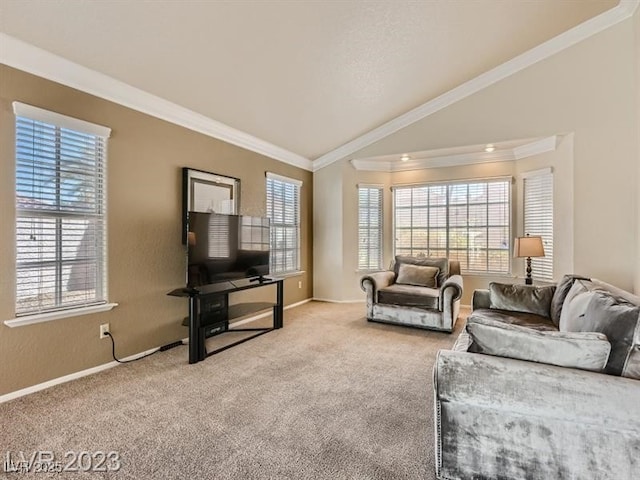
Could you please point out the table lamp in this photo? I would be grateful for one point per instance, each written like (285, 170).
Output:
(527, 247)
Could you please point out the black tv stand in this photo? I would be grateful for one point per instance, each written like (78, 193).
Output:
(210, 313)
(261, 279)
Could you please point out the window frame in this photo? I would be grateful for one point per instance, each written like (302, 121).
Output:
(507, 180)
(65, 131)
(379, 230)
(287, 182)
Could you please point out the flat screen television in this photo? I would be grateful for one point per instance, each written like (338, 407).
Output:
(226, 247)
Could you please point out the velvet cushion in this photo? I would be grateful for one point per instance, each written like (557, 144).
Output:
(559, 296)
(409, 296)
(441, 263)
(574, 307)
(521, 298)
(617, 319)
(419, 275)
(584, 350)
(529, 320)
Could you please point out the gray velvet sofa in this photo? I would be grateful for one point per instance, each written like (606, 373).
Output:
(544, 383)
(419, 292)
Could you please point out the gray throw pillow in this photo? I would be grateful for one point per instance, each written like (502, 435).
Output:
(441, 263)
(584, 350)
(521, 298)
(574, 307)
(560, 294)
(418, 275)
(617, 319)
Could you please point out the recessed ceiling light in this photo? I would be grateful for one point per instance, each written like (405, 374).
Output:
(489, 147)
(404, 157)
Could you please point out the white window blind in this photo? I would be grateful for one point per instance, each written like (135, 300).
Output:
(538, 219)
(283, 210)
(60, 211)
(369, 227)
(468, 222)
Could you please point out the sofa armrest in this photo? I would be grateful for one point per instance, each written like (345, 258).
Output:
(377, 280)
(371, 284)
(449, 301)
(450, 292)
(451, 289)
(480, 299)
(512, 417)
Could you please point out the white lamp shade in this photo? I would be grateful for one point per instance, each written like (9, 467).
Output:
(528, 247)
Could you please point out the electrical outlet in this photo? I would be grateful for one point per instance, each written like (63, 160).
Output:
(104, 328)
(300, 284)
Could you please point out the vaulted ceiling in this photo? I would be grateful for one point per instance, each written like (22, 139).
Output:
(305, 76)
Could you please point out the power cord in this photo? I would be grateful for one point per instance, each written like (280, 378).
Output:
(113, 351)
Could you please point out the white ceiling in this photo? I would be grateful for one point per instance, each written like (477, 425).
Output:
(306, 76)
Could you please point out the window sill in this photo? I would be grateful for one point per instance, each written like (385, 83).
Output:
(289, 274)
(46, 317)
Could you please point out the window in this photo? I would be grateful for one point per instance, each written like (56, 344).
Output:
(283, 209)
(468, 222)
(538, 218)
(369, 227)
(60, 212)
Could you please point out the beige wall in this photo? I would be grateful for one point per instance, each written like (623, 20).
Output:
(146, 257)
(327, 228)
(636, 20)
(588, 90)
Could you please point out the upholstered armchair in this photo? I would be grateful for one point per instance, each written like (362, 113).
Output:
(419, 292)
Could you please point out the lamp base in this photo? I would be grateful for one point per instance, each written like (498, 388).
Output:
(528, 280)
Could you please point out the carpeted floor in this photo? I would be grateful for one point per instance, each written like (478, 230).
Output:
(330, 396)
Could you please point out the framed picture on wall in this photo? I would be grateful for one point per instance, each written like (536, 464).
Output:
(208, 192)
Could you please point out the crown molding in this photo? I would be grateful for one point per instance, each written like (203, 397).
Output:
(450, 158)
(29, 58)
(630, 6)
(619, 13)
(537, 147)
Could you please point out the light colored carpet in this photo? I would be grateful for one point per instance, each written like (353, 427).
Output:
(330, 396)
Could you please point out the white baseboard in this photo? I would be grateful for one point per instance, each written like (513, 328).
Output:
(329, 300)
(266, 314)
(90, 371)
(297, 304)
(72, 376)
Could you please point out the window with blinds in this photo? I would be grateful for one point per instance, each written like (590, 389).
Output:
(468, 222)
(60, 211)
(369, 227)
(538, 219)
(283, 211)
